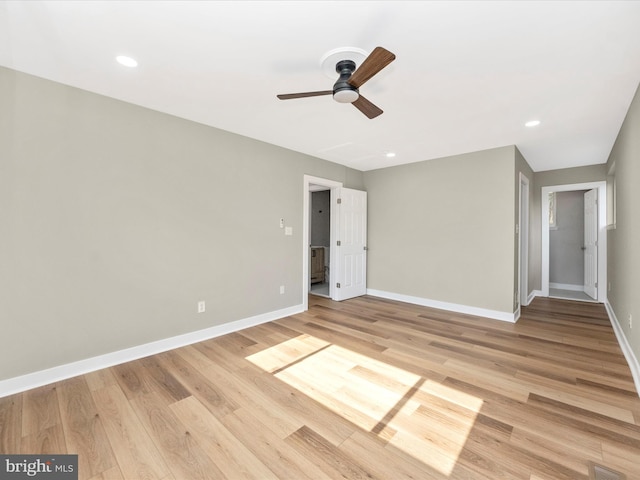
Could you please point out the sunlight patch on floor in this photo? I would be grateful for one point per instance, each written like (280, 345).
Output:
(422, 417)
(440, 427)
(285, 353)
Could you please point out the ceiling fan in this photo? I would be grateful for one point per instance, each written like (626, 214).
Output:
(346, 88)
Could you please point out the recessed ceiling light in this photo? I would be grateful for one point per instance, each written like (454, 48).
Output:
(126, 61)
(390, 154)
(532, 123)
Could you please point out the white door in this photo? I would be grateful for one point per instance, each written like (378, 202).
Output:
(591, 243)
(351, 276)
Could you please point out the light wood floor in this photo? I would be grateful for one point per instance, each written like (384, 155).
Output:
(362, 389)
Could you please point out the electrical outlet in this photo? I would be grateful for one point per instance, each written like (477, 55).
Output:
(630, 321)
(281, 289)
(201, 306)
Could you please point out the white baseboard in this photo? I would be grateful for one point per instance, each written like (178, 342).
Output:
(532, 295)
(452, 307)
(567, 286)
(625, 347)
(62, 372)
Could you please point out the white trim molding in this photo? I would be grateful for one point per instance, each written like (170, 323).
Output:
(634, 365)
(63, 372)
(523, 241)
(452, 307)
(567, 286)
(534, 294)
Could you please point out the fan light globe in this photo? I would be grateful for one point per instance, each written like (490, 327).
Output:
(346, 96)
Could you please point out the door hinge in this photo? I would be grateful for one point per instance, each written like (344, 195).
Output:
(338, 285)
(339, 201)
(596, 285)
(338, 242)
(365, 248)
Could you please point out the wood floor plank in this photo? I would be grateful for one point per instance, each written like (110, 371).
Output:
(135, 451)
(574, 397)
(529, 418)
(270, 448)
(113, 473)
(132, 379)
(214, 397)
(626, 459)
(248, 395)
(365, 388)
(40, 410)
(602, 426)
(100, 379)
(167, 384)
(301, 409)
(183, 453)
(10, 424)
(83, 429)
(329, 458)
(399, 465)
(49, 440)
(565, 454)
(229, 454)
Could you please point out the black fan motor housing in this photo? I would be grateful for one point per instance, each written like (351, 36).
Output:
(345, 68)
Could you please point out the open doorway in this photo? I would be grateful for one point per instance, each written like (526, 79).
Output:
(313, 184)
(567, 246)
(347, 263)
(574, 262)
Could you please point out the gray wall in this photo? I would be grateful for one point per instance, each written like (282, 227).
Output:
(566, 257)
(623, 257)
(321, 218)
(115, 220)
(443, 229)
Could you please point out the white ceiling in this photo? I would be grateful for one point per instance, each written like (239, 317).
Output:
(468, 75)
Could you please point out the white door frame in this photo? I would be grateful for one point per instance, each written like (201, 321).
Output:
(602, 232)
(523, 243)
(306, 232)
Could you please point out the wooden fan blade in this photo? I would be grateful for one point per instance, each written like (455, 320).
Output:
(376, 61)
(289, 96)
(366, 107)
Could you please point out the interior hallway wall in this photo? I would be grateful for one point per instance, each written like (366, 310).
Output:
(624, 236)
